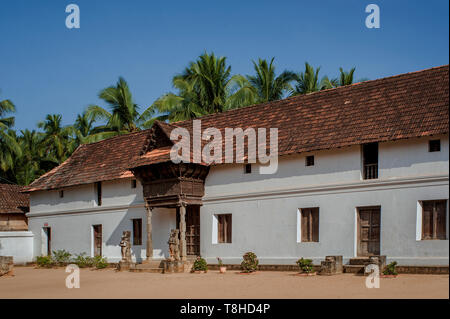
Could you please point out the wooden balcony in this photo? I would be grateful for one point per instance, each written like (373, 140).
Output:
(370, 171)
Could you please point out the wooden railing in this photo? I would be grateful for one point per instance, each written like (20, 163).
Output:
(370, 171)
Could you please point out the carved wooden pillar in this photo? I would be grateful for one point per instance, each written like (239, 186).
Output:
(183, 232)
(149, 249)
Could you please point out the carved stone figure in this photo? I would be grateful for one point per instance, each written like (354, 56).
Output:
(125, 245)
(174, 245)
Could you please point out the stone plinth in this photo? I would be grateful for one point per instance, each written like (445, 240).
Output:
(125, 265)
(6, 265)
(331, 265)
(173, 266)
(378, 260)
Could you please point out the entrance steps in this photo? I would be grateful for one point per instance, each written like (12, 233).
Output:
(152, 266)
(357, 265)
(359, 261)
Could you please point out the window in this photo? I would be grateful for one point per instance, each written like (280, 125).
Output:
(310, 160)
(434, 219)
(46, 241)
(224, 228)
(98, 187)
(133, 183)
(248, 169)
(309, 224)
(61, 194)
(137, 231)
(370, 160)
(434, 146)
(97, 233)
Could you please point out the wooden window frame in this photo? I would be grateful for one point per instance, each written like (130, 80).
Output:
(224, 228)
(434, 222)
(309, 160)
(137, 231)
(98, 190)
(434, 146)
(370, 168)
(97, 228)
(309, 225)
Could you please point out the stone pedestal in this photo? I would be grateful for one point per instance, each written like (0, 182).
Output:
(331, 265)
(125, 265)
(6, 265)
(173, 266)
(378, 260)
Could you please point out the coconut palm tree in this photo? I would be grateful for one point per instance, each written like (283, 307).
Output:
(123, 116)
(57, 142)
(182, 106)
(205, 86)
(210, 77)
(9, 150)
(308, 81)
(32, 163)
(9, 147)
(346, 78)
(268, 86)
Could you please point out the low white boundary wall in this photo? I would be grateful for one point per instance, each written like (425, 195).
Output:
(18, 244)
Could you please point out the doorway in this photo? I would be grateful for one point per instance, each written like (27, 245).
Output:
(97, 233)
(192, 229)
(46, 241)
(369, 223)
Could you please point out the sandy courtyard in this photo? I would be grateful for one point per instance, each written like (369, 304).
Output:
(50, 283)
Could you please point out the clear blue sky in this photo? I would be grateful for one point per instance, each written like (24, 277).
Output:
(47, 68)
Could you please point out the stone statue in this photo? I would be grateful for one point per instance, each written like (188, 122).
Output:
(125, 245)
(174, 245)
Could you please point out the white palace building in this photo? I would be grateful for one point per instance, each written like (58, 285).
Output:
(362, 170)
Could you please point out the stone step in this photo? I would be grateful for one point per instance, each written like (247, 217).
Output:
(354, 269)
(148, 270)
(359, 261)
(150, 264)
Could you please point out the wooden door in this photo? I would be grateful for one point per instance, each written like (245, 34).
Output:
(369, 231)
(48, 238)
(97, 240)
(193, 230)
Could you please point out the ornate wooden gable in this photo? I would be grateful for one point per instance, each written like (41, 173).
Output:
(167, 184)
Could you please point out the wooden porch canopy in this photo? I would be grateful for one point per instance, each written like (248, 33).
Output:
(172, 185)
(166, 184)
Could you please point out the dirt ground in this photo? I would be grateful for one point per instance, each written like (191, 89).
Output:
(29, 282)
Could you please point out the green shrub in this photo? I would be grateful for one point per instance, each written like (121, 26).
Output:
(390, 269)
(100, 262)
(83, 261)
(200, 264)
(250, 262)
(305, 265)
(45, 261)
(61, 257)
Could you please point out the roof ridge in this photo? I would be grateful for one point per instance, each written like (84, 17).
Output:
(298, 96)
(116, 137)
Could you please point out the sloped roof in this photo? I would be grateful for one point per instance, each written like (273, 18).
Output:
(12, 200)
(403, 106)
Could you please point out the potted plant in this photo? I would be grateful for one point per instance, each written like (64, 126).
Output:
(306, 267)
(249, 264)
(222, 268)
(200, 266)
(390, 271)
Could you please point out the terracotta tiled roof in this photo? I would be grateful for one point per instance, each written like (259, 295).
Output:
(404, 106)
(105, 160)
(12, 200)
